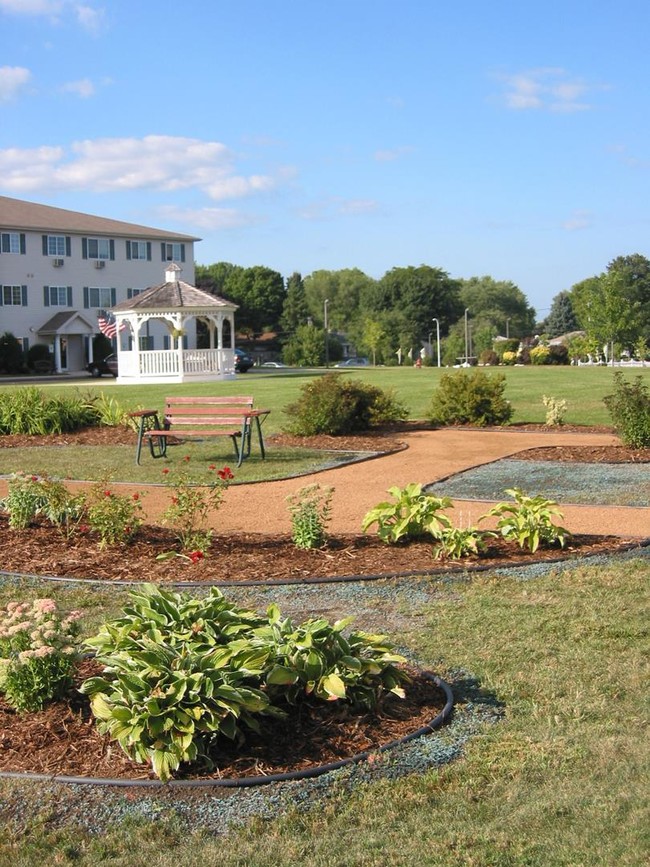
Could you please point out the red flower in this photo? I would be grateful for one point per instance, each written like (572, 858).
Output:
(83, 528)
(165, 471)
(107, 493)
(195, 556)
(225, 474)
(212, 467)
(34, 478)
(136, 497)
(186, 458)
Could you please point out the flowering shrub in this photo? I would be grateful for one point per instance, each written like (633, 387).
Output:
(30, 496)
(117, 518)
(191, 507)
(38, 651)
(310, 509)
(23, 501)
(540, 355)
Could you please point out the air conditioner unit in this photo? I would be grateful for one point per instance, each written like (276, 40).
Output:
(58, 263)
(99, 263)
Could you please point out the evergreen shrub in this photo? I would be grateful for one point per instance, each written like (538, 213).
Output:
(474, 397)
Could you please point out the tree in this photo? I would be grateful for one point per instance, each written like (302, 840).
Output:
(343, 289)
(499, 303)
(305, 347)
(634, 271)
(604, 311)
(373, 333)
(295, 310)
(561, 318)
(260, 294)
(213, 278)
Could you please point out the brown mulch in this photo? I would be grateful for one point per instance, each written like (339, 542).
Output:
(63, 739)
(41, 550)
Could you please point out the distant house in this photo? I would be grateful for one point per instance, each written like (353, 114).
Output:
(60, 269)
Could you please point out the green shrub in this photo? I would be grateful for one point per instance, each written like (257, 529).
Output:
(115, 517)
(629, 407)
(555, 409)
(335, 405)
(179, 673)
(488, 357)
(38, 352)
(24, 500)
(475, 397)
(30, 496)
(411, 515)
(12, 358)
(192, 505)
(456, 542)
(528, 521)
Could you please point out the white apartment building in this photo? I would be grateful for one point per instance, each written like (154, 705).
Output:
(59, 268)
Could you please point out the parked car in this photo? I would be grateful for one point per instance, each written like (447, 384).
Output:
(273, 364)
(354, 361)
(243, 361)
(108, 366)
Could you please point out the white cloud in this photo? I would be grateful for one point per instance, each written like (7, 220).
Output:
(209, 218)
(83, 88)
(91, 18)
(328, 209)
(156, 162)
(358, 207)
(578, 220)
(390, 154)
(12, 80)
(547, 89)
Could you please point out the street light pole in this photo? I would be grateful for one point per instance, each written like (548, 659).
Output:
(327, 345)
(437, 338)
(466, 337)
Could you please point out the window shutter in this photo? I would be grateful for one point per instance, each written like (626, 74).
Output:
(24, 295)
(128, 249)
(148, 251)
(182, 252)
(1, 296)
(84, 248)
(111, 248)
(163, 254)
(113, 297)
(46, 296)
(129, 294)
(68, 245)
(165, 341)
(5, 243)
(69, 289)
(23, 244)
(45, 245)
(86, 302)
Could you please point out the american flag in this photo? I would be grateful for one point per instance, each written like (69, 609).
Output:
(107, 323)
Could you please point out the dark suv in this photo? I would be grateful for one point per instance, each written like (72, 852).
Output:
(243, 361)
(106, 367)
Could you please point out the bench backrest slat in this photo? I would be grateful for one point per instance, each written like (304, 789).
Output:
(206, 411)
(238, 400)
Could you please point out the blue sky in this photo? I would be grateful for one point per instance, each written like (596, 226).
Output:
(503, 138)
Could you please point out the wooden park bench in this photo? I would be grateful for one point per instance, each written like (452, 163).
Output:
(198, 418)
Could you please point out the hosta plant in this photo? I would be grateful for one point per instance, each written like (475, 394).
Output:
(456, 542)
(316, 659)
(528, 521)
(411, 515)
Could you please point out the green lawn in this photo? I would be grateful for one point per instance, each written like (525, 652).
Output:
(561, 780)
(582, 387)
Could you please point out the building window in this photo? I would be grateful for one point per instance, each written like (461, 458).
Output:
(14, 296)
(56, 245)
(99, 296)
(133, 293)
(138, 250)
(12, 242)
(173, 252)
(58, 296)
(99, 248)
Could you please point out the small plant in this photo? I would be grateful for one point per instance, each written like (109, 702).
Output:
(38, 652)
(472, 397)
(509, 357)
(540, 355)
(310, 509)
(192, 506)
(456, 542)
(529, 521)
(555, 410)
(111, 413)
(629, 407)
(411, 515)
(23, 501)
(316, 660)
(117, 518)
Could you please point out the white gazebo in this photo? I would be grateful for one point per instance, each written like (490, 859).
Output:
(175, 303)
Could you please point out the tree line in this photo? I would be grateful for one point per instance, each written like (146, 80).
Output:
(407, 307)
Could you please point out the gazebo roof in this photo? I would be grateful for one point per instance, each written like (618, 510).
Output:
(174, 295)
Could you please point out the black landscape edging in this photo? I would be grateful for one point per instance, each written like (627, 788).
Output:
(249, 782)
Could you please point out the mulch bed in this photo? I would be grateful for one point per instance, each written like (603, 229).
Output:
(63, 740)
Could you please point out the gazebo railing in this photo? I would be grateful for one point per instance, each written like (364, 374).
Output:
(166, 362)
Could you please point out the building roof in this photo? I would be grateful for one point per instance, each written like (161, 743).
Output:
(27, 216)
(59, 321)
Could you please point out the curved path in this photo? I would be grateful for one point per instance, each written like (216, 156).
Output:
(430, 456)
